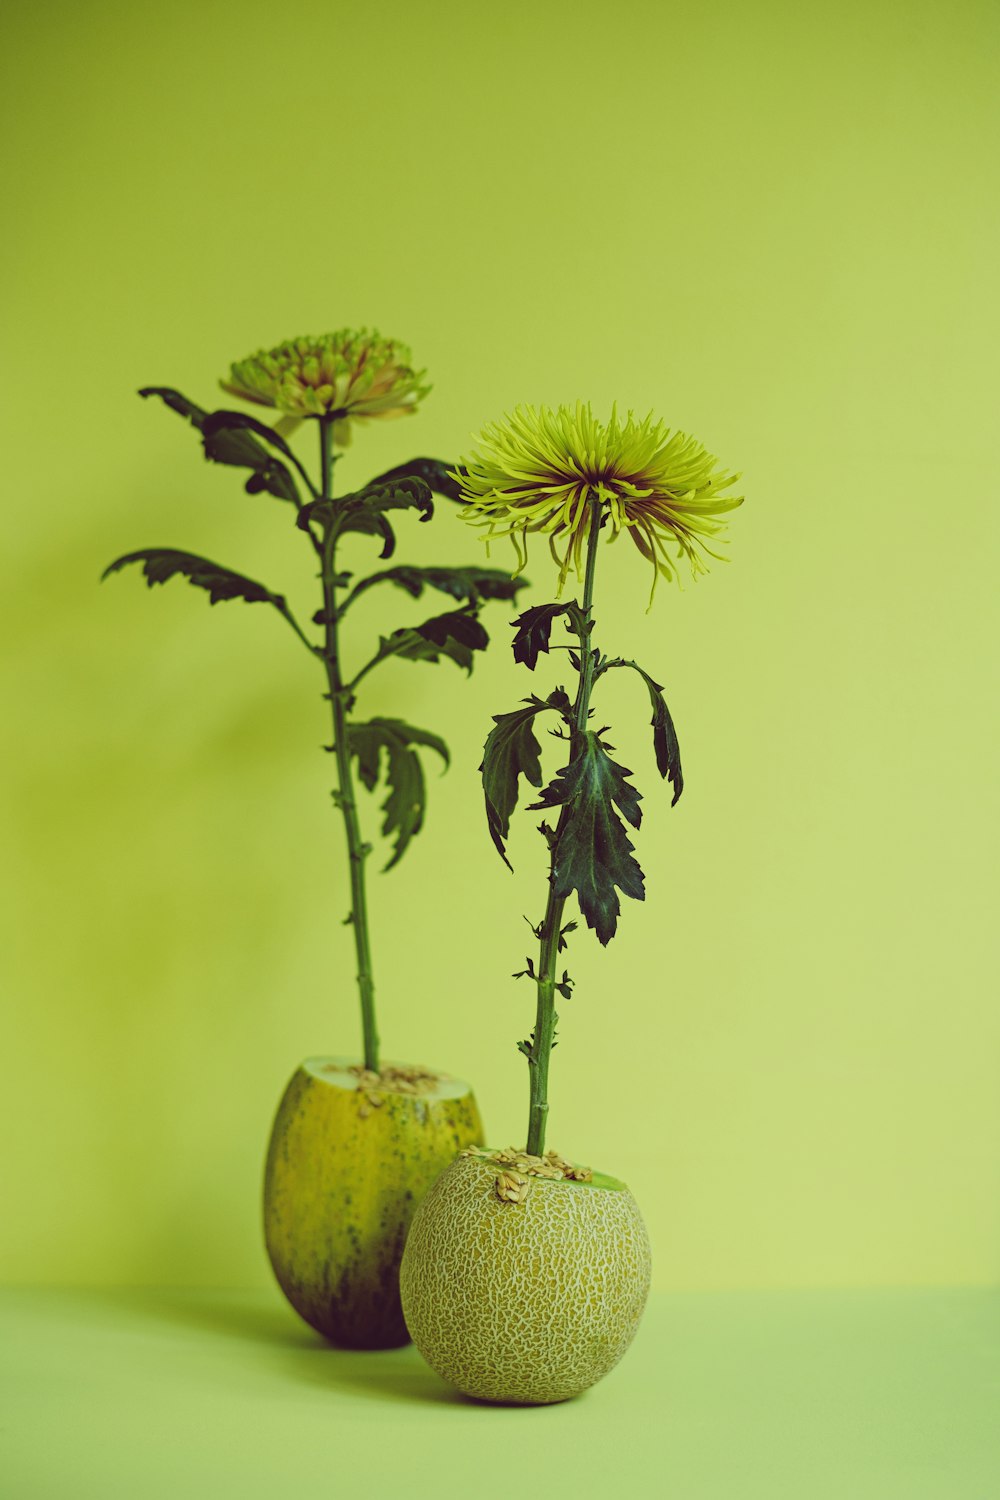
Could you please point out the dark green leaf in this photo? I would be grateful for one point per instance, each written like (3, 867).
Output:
(665, 746)
(404, 807)
(432, 471)
(455, 635)
(161, 563)
(366, 747)
(274, 480)
(412, 646)
(364, 510)
(228, 438)
(178, 403)
(414, 736)
(534, 628)
(242, 450)
(511, 751)
(457, 625)
(373, 500)
(471, 584)
(593, 855)
(233, 422)
(411, 493)
(367, 523)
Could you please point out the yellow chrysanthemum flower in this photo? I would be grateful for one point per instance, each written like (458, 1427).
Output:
(537, 469)
(350, 375)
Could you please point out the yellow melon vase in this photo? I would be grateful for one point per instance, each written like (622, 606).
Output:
(525, 1274)
(356, 1141)
(351, 1155)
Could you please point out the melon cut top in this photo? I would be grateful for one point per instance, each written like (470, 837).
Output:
(337, 1071)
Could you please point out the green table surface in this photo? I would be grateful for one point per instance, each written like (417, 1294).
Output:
(826, 1395)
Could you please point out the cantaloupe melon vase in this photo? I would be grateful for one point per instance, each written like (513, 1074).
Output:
(525, 1274)
(356, 1142)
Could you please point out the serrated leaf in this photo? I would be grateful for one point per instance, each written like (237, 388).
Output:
(533, 630)
(354, 511)
(366, 747)
(364, 510)
(161, 563)
(410, 645)
(665, 745)
(412, 735)
(405, 805)
(510, 752)
(432, 471)
(457, 625)
(455, 635)
(410, 493)
(593, 855)
(228, 438)
(470, 584)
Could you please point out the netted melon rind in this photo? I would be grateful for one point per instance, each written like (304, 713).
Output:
(526, 1303)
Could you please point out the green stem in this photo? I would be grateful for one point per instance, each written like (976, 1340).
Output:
(340, 700)
(543, 1039)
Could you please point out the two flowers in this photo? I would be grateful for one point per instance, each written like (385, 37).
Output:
(533, 471)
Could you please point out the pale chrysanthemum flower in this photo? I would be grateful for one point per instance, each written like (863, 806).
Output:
(537, 469)
(354, 376)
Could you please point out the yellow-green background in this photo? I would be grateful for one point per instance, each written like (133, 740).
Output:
(774, 224)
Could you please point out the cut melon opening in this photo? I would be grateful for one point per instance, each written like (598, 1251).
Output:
(597, 1180)
(337, 1072)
